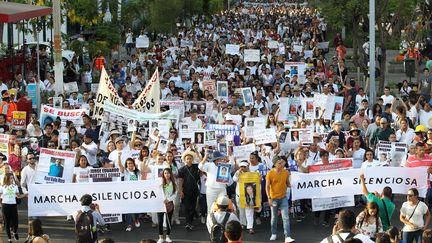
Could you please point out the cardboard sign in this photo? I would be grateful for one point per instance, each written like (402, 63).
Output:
(142, 42)
(19, 119)
(252, 55)
(70, 87)
(231, 49)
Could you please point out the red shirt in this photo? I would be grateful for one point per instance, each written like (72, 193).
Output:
(15, 162)
(413, 161)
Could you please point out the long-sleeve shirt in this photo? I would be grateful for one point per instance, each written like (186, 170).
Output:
(28, 175)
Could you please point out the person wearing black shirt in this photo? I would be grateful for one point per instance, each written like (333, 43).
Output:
(46, 137)
(337, 131)
(189, 188)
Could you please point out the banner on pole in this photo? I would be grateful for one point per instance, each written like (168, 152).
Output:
(149, 98)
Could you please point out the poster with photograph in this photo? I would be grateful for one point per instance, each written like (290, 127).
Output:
(5, 145)
(250, 190)
(210, 138)
(223, 148)
(94, 88)
(199, 137)
(223, 173)
(58, 102)
(185, 131)
(55, 166)
(252, 124)
(203, 108)
(70, 87)
(209, 85)
(338, 108)
(173, 105)
(301, 135)
(49, 114)
(19, 120)
(247, 96)
(308, 108)
(163, 146)
(132, 125)
(296, 68)
(160, 127)
(222, 90)
(64, 139)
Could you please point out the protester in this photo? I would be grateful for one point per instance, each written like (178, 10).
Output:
(87, 219)
(217, 220)
(415, 216)
(35, 232)
(368, 221)
(170, 191)
(233, 231)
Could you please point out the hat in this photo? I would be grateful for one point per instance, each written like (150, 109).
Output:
(114, 132)
(228, 117)
(296, 88)
(338, 122)
(361, 108)
(119, 139)
(105, 160)
(188, 152)
(419, 128)
(339, 149)
(217, 155)
(383, 120)
(316, 135)
(244, 163)
(222, 200)
(354, 130)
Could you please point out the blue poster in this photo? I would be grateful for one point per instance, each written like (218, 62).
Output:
(32, 93)
(221, 130)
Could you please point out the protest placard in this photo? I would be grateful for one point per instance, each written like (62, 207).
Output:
(104, 174)
(340, 164)
(250, 190)
(113, 197)
(210, 138)
(243, 151)
(281, 47)
(94, 88)
(5, 145)
(308, 54)
(49, 114)
(297, 48)
(301, 135)
(55, 166)
(247, 96)
(203, 108)
(251, 55)
(231, 49)
(267, 135)
(253, 123)
(33, 93)
(186, 43)
(223, 173)
(112, 218)
(106, 92)
(142, 42)
(273, 44)
(295, 68)
(323, 45)
(149, 99)
(225, 132)
(308, 108)
(70, 87)
(58, 102)
(338, 107)
(392, 154)
(209, 85)
(19, 120)
(222, 90)
(64, 139)
(347, 182)
(320, 204)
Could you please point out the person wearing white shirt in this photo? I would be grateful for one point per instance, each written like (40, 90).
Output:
(114, 155)
(28, 173)
(89, 149)
(193, 121)
(387, 97)
(370, 162)
(425, 115)
(222, 212)
(356, 153)
(214, 188)
(405, 134)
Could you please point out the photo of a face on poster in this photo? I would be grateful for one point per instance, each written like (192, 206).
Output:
(58, 102)
(295, 136)
(56, 167)
(223, 173)
(247, 96)
(199, 137)
(222, 89)
(250, 194)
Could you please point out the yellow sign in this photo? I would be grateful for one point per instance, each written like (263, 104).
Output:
(250, 190)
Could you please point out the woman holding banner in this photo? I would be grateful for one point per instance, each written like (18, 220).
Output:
(174, 166)
(9, 193)
(246, 214)
(131, 173)
(81, 170)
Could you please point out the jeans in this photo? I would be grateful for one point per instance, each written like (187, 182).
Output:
(203, 205)
(409, 237)
(281, 204)
(10, 217)
(161, 217)
(128, 218)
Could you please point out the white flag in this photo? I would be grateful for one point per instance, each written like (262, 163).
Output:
(149, 99)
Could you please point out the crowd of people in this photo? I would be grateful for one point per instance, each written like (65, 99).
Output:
(189, 168)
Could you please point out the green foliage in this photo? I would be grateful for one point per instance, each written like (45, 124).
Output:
(164, 14)
(216, 6)
(135, 15)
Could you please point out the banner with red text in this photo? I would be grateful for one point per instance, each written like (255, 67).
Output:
(149, 98)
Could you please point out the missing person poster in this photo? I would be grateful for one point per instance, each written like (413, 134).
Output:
(223, 173)
(55, 166)
(19, 120)
(104, 175)
(251, 124)
(50, 114)
(263, 136)
(250, 190)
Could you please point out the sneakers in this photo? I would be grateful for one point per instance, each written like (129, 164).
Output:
(161, 240)
(168, 239)
(189, 227)
(273, 237)
(137, 223)
(129, 228)
(289, 239)
(16, 236)
(251, 231)
(203, 220)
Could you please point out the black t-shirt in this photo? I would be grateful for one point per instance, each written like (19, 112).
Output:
(191, 178)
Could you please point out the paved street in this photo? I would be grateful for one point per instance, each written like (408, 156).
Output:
(62, 231)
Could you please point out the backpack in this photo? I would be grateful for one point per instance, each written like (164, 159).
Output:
(350, 236)
(218, 229)
(84, 227)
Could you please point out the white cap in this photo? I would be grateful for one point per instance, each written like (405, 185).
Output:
(228, 117)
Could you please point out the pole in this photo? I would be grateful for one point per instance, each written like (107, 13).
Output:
(372, 85)
(37, 51)
(58, 64)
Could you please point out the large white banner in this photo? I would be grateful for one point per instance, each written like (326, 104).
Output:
(149, 98)
(139, 116)
(55, 166)
(320, 204)
(112, 197)
(347, 182)
(106, 92)
(49, 115)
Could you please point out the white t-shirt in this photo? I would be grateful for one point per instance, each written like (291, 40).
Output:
(9, 194)
(417, 218)
(131, 176)
(113, 156)
(405, 137)
(211, 169)
(374, 163)
(81, 174)
(363, 238)
(387, 99)
(90, 152)
(358, 157)
(425, 118)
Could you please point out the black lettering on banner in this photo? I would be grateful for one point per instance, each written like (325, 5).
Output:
(319, 183)
(387, 180)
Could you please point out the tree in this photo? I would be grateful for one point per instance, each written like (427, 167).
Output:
(164, 14)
